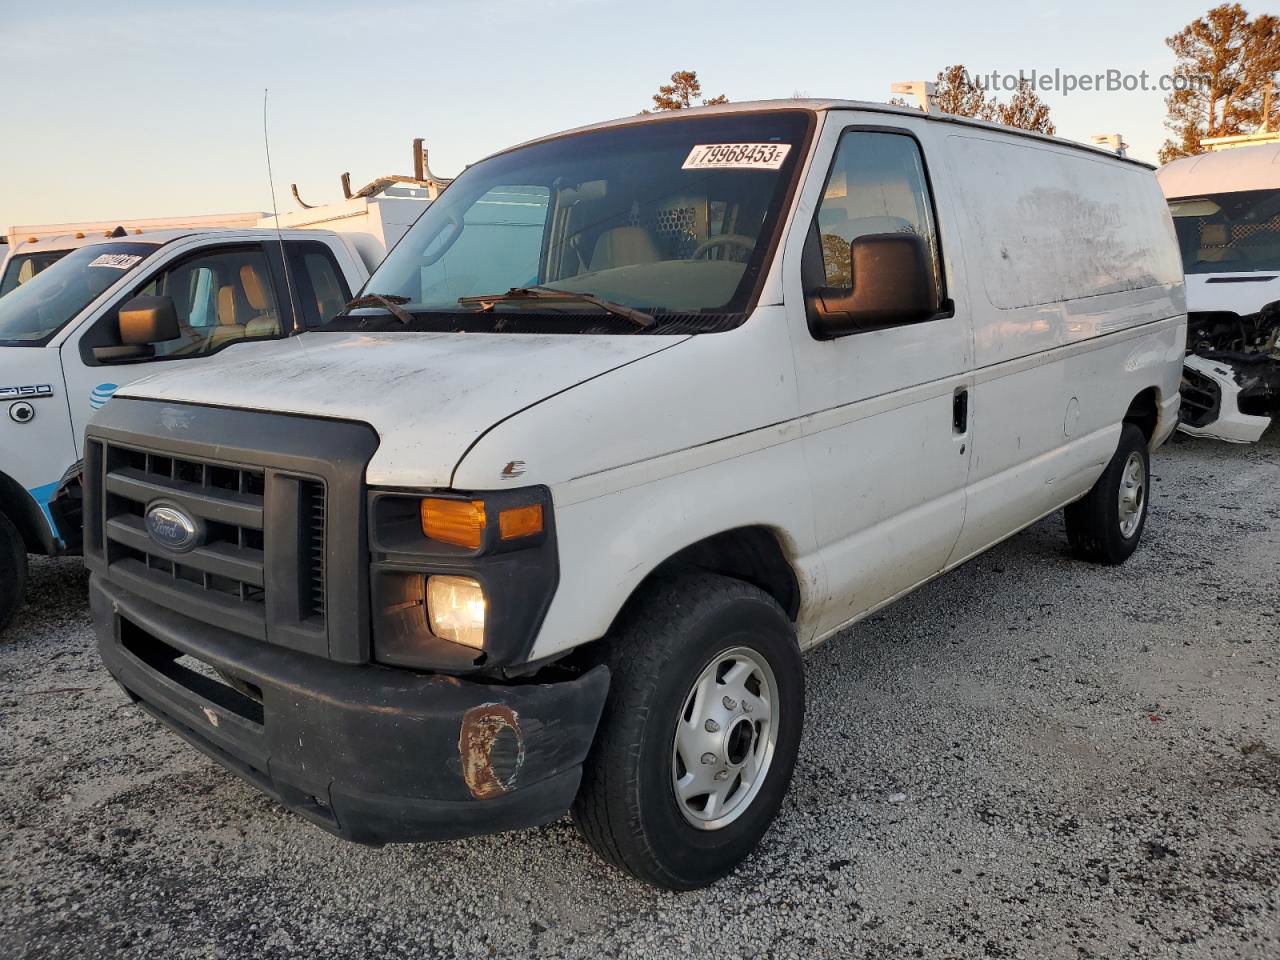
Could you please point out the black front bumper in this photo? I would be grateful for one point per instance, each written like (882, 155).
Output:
(372, 754)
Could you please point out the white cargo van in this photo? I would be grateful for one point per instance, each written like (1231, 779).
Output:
(661, 403)
(1226, 209)
(112, 311)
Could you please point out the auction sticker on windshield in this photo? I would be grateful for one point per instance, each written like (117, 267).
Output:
(737, 156)
(116, 261)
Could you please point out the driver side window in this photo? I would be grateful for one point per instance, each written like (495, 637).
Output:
(877, 185)
(220, 296)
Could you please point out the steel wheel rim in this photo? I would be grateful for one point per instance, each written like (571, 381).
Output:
(725, 738)
(1133, 494)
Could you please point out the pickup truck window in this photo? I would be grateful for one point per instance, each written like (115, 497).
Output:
(31, 314)
(877, 185)
(220, 296)
(322, 291)
(675, 217)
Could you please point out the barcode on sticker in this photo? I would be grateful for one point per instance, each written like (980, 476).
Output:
(116, 261)
(737, 156)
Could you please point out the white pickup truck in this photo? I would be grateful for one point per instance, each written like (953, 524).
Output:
(114, 311)
(645, 409)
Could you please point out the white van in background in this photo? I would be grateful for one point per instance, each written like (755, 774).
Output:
(1226, 209)
(648, 408)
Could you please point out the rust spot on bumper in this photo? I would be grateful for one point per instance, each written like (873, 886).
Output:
(491, 746)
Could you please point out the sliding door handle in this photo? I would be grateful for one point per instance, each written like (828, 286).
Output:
(960, 411)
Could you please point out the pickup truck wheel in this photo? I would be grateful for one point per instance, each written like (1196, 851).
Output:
(699, 734)
(1107, 524)
(13, 570)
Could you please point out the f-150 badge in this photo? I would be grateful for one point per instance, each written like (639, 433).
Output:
(28, 392)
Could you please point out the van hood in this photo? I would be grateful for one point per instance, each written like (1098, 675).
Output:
(429, 396)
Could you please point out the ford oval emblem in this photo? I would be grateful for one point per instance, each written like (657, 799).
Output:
(173, 528)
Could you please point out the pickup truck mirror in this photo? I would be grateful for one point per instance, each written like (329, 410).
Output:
(891, 283)
(146, 320)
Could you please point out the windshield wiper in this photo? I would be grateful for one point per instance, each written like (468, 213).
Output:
(388, 301)
(542, 294)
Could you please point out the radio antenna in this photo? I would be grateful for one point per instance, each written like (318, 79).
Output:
(275, 210)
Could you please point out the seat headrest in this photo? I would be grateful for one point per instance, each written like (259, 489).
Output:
(623, 246)
(255, 291)
(227, 306)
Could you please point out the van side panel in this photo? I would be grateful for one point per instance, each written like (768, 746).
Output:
(1077, 308)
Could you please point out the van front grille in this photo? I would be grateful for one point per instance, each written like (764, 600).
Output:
(276, 507)
(224, 575)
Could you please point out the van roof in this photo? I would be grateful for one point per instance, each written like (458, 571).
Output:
(823, 105)
(1223, 171)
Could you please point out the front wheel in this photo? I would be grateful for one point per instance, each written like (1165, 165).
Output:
(699, 735)
(1107, 524)
(13, 570)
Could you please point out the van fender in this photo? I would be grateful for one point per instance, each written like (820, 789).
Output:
(611, 544)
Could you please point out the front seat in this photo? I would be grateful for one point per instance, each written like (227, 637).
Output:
(264, 322)
(229, 326)
(623, 247)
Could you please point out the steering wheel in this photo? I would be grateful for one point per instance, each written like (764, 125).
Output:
(725, 240)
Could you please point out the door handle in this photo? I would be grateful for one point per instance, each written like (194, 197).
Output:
(960, 411)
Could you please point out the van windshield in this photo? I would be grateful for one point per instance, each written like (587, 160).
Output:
(21, 267)
(675, 218)
(35, 311)
(1228, 232)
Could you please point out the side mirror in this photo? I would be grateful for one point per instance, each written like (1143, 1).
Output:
(146, 320)
(891, 283)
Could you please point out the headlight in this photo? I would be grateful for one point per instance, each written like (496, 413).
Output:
(460, 581)
(455, 610)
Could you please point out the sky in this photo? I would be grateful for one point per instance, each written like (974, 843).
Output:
(141, 109)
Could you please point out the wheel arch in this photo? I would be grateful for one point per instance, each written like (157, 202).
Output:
(21, 508)
(1144, 412)
(753, 554)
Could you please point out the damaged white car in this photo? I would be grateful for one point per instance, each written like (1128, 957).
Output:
(1226, 209)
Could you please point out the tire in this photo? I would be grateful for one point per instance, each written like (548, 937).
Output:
(677, 636)
(13, 571)
(1101, 528)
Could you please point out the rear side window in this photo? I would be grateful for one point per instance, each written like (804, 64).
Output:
(321, 288)
(877, 185)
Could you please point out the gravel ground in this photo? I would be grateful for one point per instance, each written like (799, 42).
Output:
(1031, 757)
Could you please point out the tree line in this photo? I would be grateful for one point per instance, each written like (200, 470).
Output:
(1225, 62)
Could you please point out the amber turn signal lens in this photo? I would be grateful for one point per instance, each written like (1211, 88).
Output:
(520, 522)
(460, 522)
